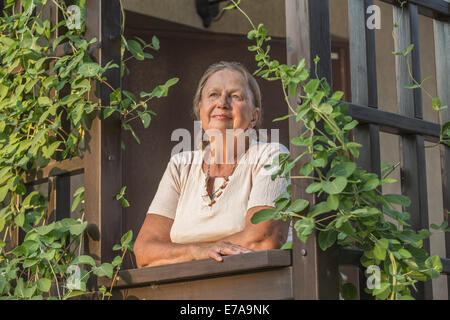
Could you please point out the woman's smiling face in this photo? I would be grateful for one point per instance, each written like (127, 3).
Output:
(227, 102)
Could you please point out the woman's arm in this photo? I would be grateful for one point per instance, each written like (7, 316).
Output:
(153, 246)
(265, 235)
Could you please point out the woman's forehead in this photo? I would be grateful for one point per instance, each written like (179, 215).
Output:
(228, 77)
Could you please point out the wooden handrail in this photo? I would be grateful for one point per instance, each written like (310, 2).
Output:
(201, 269)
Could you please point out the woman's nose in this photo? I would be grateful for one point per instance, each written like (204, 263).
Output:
(224, 101)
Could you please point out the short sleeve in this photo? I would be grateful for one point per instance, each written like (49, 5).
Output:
(166, 198)
(265, 190)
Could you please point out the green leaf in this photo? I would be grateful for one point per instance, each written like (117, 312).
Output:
(351, 125)
(155, 43)
(344, 169)
(124, 202)
(126, 238)
(136, 49)
(44, 284)
(379, 252)
(326, 108)
(283, 117)
(20, 219)
(384, 286)
(327, 238)
(299, 205)
(3, 192)
(47, 152)
(434, 263)
(397, 199)
(108, 111)
(336, 186)
(405, 253)
(304, 228)
(436, 103)
(263, 215)
(306, 168)
(84, 259)
(349, 291)
(145, 118)
(31, 198)
(314, 187)
(370, 184)
(117, 261)
(105, 269)
(287, 246)
(333, 202)
(408, 50)
(319, 208)
(77, 229)
(312, 86)
(383, 243)
(89, 69)
(43, 230)
(337, 95)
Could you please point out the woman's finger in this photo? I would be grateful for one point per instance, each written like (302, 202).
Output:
(215, 255)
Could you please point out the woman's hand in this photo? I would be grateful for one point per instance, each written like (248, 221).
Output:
(215, 250)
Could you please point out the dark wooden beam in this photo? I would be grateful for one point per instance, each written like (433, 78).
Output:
(442, 47)
(364, 92)
(395, 123)
(315, 273)
(103, 159)
(436, 9)
(55, 168)
(413, 168)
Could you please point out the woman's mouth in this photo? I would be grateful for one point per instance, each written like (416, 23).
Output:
(221, 117)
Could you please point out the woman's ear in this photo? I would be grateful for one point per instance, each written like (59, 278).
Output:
(256, 115)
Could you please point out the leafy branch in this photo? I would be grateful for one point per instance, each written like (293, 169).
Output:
(350, 211)
(45, 114)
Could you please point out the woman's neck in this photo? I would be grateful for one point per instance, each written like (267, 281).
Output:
(228, 151)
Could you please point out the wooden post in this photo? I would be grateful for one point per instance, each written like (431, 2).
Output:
(442, 47)
(414, 184)
(103, 161)
(315, 273)
(364, 92)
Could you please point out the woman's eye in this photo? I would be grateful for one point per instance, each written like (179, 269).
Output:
(237, 97)
(213, 94)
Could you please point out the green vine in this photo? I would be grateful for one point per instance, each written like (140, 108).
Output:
(436, 103)
(46, 109)
(350, 210)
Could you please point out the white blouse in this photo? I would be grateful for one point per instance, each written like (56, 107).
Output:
(183, 197)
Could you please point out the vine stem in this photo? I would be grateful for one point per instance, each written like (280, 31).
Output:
(305, 177)
(115, 275)
(104, 82)
(56, 280)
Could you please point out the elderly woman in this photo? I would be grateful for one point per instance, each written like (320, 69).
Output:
(206, 198)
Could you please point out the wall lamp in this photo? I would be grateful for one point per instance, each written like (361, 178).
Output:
(208, 10)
